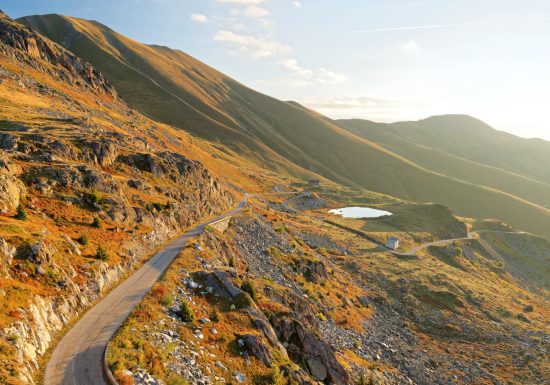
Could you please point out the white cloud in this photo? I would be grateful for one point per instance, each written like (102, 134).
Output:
(199, 18)
(321, 75)
(255, 11)
(300, 76)
(292, 66)
(411, 46)
(297, 4)
(377, 109)
(330, 77)
(257, 47)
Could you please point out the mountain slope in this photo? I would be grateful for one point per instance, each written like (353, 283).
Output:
(397, 138)
(175, 88)
(89, 188)
(471, 139)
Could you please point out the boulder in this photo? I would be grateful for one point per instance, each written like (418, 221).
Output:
(221, 284)
(11, 190)
(41, 252)
(255, 346)
(318, 355)
(101, 152)
(8, 142)
(73, 246)
(7, 166)
(317, 368)
(316, 272)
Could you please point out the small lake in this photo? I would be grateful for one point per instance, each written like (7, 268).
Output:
(360, 212)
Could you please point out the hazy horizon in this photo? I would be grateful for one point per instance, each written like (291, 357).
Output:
(387, 62)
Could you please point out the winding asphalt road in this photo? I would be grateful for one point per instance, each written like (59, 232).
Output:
(78, 357)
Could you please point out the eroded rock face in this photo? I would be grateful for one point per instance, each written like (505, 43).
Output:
(101, 152)
(7, 167)
(8, 142)
(26, 45)
(11, 191)
(255, 346)
(320, 358)
(7, 253)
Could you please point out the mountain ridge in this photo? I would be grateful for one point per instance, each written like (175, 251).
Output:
(277, 135)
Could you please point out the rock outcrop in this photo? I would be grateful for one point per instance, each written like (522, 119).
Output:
(11, 191)
(27, 45)
(7, 253)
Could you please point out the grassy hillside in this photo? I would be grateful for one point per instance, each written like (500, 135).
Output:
(471, 139)
(425, 153)
(175, 88)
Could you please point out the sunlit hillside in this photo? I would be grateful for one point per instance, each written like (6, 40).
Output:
(175, 88)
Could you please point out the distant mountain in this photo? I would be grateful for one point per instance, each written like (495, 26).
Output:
(466, 148)
(472, 139)
(172, 87)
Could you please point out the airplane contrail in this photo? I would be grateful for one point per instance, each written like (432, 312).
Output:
(419, 27)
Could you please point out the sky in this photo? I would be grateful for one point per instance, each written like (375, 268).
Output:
(382, 60)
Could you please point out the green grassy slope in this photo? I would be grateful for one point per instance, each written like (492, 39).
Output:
(390, 136)
(472, 139)
(177, 89)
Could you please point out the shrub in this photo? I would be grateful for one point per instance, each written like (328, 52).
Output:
(528, 309)
(275, 376)
(159, 291)
(364, 380)
(321, 317)
(92, 198)
(96, 223)
(166, 300)
(185, 313)
(101, 254)
(21, 214)
(156, 206)
(174, 379)
(214, 316)
(83, 240)
(249, 287)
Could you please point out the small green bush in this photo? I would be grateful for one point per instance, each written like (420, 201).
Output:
(21, 214)
(83, 240)
(249, 287)
(275, 376)
(101, 254)
(174, 379)
(96, 223)
(92, 198)
(166, 300)
(185, 313)
(214, 316)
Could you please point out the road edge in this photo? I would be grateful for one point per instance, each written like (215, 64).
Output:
(106, 369)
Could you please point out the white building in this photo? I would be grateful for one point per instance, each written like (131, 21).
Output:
(393, 243)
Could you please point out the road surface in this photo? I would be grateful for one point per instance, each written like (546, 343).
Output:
(412, 252)
(78, 357)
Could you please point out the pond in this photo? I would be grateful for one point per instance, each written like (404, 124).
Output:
(360, 212)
